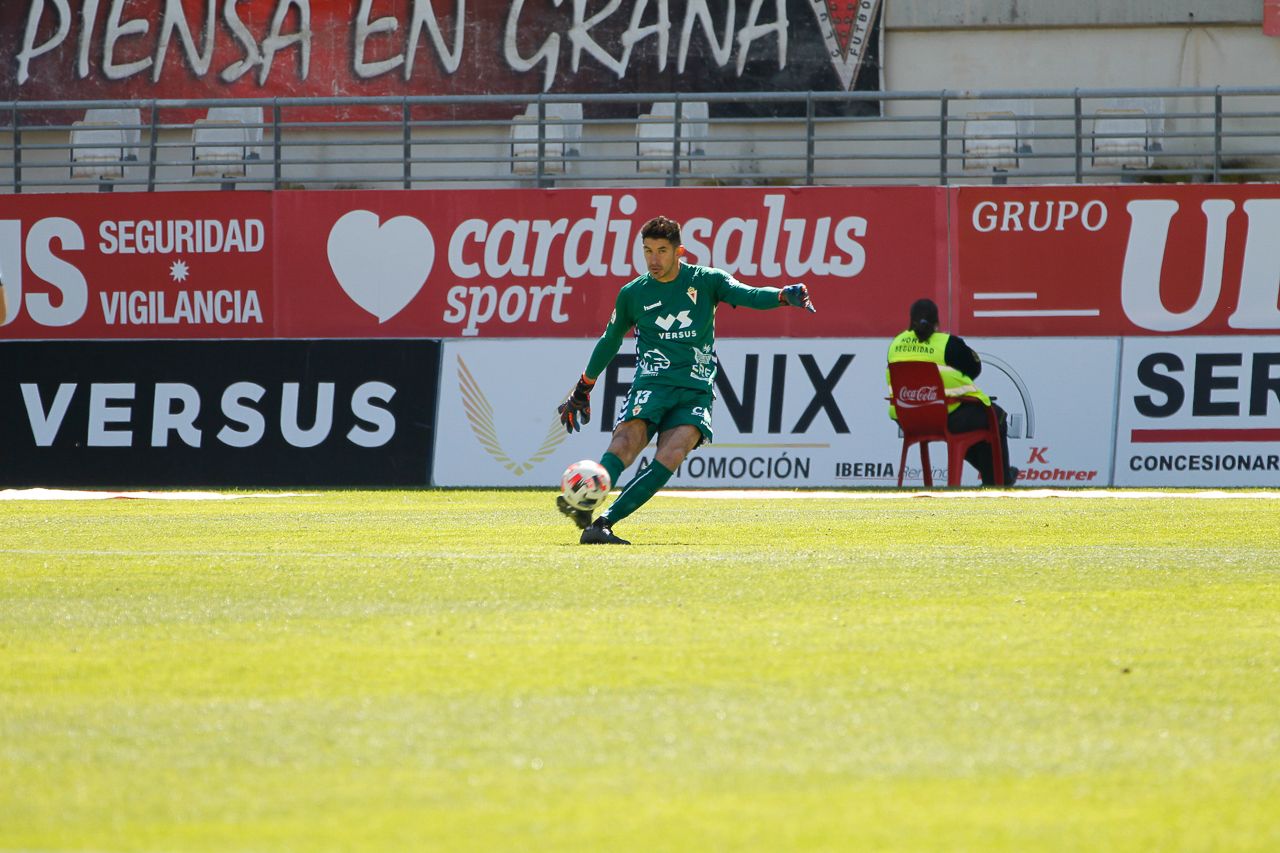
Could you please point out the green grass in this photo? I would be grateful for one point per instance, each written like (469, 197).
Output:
(449, 670)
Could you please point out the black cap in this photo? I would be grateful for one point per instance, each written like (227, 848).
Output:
(924, 318)
(924, 310)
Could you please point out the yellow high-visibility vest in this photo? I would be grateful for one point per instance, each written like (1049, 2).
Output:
(907, 347)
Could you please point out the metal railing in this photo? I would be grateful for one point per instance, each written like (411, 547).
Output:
(806, 138)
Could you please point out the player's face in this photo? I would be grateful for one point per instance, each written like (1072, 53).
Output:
(662, 257)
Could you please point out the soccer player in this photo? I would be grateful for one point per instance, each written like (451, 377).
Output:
(673, 310)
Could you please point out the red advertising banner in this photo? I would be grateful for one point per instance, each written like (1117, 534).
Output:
(87, 49)
(1116, 260)
(549, 263)
(135, 265)
(1271, 17)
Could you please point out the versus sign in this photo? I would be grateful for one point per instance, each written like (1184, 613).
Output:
(217, 413)
(1199, 412)
(117, 49)
(1108, 261)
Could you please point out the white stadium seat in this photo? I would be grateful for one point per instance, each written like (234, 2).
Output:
(225, 141)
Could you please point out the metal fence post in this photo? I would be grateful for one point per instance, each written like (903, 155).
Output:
(942, 138)
(151, 159)
(275, 142)
(809, 141)
(1079, 138)
(1217, 134)
(675, 144)
(408, 144)
(540, 174)
(17, 152)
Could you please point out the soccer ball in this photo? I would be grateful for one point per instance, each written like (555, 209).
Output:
(585, 484)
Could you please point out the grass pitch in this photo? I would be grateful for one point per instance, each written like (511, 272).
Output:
(449, 670)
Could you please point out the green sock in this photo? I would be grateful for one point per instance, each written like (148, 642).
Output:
(642, 487)
(613, 465)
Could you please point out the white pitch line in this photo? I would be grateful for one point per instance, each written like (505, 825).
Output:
(256, 555)
(769, 494)
(76, 495)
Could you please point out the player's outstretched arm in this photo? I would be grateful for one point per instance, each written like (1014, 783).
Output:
(576, 409)
(797, 295)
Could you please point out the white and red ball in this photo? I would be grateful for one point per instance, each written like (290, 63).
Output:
(585, 484)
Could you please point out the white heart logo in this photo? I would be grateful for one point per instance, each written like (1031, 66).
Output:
(381, 267)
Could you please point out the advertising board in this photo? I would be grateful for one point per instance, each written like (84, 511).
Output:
(447, 263)
(549, 263)
(789, 413)
(154, 265)
(1201, 411)
(226, 413)
(1116, 260)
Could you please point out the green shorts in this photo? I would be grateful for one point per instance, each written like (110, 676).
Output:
(664, 407)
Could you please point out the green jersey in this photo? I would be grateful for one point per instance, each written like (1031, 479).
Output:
(675, 324)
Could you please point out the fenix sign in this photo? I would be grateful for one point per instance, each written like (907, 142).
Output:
(785, 414)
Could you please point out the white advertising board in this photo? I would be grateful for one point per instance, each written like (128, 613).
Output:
(1059, 396)
(1199, 411)
(789, 413)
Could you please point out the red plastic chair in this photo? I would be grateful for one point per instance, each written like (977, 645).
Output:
(920, 400)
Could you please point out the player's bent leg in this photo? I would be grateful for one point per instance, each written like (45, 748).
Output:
(629, 438)
(673, 446)
(677, 443)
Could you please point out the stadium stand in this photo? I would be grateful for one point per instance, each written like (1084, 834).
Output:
(103, 142)
(225, 142)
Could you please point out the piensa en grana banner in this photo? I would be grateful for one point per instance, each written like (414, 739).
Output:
(179, 49)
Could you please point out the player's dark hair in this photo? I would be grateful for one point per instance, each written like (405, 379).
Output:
(661, 228)
(924, 318)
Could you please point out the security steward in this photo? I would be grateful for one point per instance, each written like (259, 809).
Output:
(959, 365)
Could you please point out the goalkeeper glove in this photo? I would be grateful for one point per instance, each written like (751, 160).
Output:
(576, 409)
(797, 295)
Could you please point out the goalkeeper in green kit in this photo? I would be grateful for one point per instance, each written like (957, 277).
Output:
(673, 310)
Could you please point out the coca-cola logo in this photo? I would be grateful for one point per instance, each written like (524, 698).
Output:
(927, 394)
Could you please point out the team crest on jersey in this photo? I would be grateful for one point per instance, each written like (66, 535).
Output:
(636, 411)
(693, 295)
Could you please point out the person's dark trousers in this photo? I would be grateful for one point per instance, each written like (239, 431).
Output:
(971, 416)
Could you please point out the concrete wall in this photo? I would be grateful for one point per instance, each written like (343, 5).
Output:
(1054, 58)
(935, 14)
